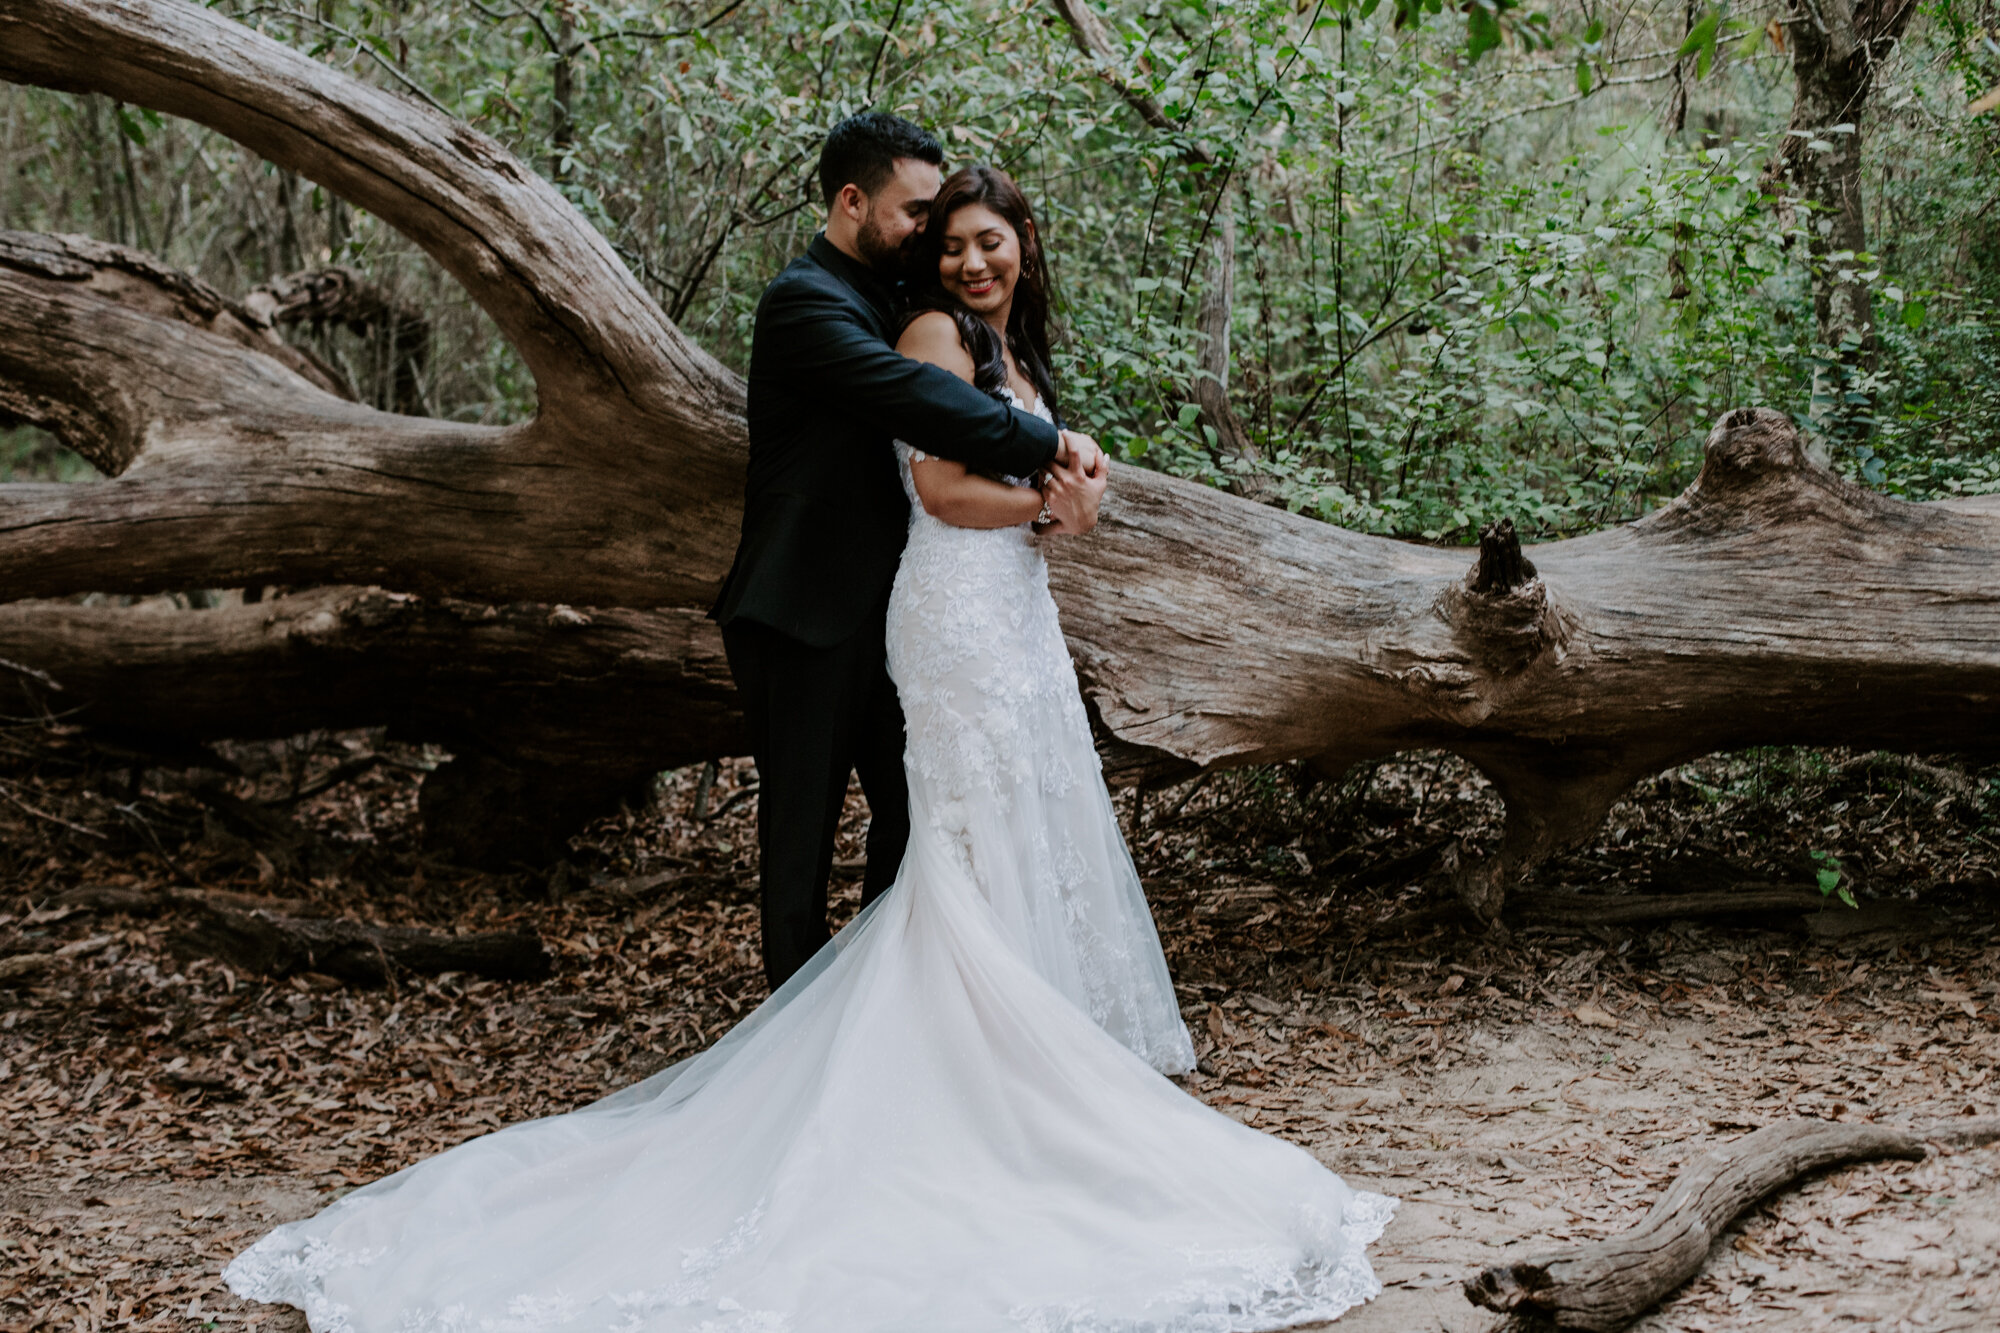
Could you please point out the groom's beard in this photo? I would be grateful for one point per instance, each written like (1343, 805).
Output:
(890, 259)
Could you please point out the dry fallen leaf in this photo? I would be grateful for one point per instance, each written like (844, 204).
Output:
(1593, 1017)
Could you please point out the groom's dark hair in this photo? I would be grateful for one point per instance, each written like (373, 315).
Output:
(862, 150)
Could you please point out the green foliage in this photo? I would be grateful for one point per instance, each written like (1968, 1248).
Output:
(27, 454)
(1700, 41)
(1831, 879)
(1476, 275)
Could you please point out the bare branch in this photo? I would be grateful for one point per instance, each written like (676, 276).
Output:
(554, 286)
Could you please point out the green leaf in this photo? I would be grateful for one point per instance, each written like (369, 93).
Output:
(1829, 880)
(1185, 418)
(1701, 36)
(128, 125)
(1913, 314)
(1584, 78)
(1594, 34)
(1482, 31)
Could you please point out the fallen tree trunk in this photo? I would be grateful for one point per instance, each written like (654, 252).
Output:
(551, 713)
(275, 945)
(564, 563)
(1607, 1285)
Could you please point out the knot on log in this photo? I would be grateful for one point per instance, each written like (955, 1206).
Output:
(1749, 445)
(1502, 610)
(1508, 1287)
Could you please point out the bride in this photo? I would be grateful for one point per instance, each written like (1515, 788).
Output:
(954, 1119)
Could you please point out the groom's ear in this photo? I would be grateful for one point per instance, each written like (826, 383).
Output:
(849, 200)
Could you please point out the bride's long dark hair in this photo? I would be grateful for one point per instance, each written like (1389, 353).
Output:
(1028, 324)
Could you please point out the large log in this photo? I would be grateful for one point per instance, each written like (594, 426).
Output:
(1774, 602)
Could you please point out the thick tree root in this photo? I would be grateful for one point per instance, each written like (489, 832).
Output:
(152, 902)
(1607, 1285)
(1569, 909)
(275, 945)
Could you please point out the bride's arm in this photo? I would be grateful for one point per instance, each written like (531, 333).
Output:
(949, 492)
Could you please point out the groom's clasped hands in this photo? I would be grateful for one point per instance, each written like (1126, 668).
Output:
(1073, 485)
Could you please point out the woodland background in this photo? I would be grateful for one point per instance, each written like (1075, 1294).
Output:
(1519, 286)
(1472, 264)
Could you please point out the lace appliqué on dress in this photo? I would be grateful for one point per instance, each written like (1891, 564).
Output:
(999, 754)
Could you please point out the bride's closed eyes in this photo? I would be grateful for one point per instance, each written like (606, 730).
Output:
(988, 242)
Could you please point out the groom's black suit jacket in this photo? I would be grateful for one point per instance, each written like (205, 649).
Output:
(824, 514)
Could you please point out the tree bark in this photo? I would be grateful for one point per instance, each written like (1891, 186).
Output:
(552, 714)
(1606, 1286)
(1211, 384)
(532, 595)
(1835, 51)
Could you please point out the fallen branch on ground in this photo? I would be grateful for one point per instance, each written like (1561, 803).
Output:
(1607, 1285)
(151, 902)
(22, 968)
(272, 944)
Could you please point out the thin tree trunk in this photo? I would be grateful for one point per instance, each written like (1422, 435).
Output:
(562, 122)
(1836, 50)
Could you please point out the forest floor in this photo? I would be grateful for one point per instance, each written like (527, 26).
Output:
(161, 1110)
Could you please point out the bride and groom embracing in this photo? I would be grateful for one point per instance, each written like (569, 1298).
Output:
(951, 1117)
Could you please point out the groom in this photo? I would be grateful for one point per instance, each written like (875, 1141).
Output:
(825, 518)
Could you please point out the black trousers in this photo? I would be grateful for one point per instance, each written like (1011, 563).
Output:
(817, 715)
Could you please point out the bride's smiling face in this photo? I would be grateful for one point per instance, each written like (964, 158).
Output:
(980, 260)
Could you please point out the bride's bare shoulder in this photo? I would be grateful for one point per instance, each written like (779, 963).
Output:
(933, 337)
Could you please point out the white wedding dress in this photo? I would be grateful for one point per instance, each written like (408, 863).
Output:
(952, 1121)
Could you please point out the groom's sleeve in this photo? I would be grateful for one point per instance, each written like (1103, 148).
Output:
(818, 339)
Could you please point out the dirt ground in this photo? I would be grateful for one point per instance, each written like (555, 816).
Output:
(161, 1109)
